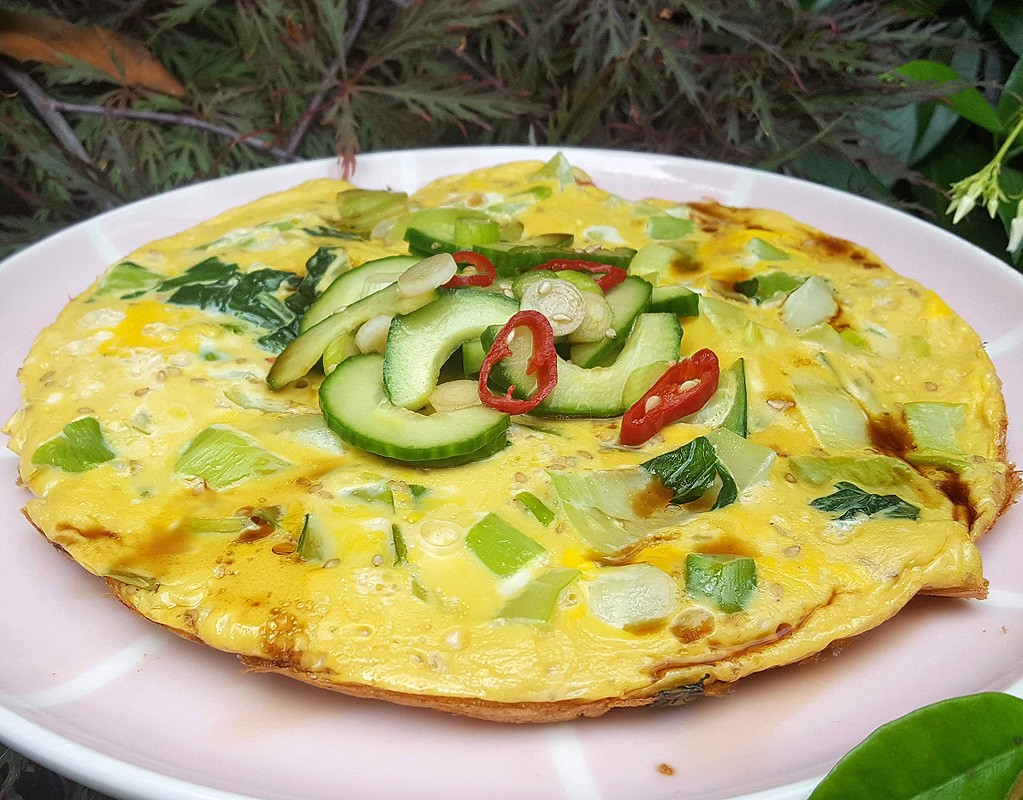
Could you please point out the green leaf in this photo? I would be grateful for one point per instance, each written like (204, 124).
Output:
(79, 447)
(1007, 19)
(966, 747)
(727, 581)
(1010, 101)
(850, 501)
(127, 277)
(968, 103)
(690, 472)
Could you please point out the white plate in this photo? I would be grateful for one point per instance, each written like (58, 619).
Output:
(93, 691)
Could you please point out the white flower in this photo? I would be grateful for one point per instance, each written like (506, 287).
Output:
(1016, 230)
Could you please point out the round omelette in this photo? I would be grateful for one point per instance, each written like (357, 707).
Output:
(318, 480)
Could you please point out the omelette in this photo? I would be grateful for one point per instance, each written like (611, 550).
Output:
(513, 447)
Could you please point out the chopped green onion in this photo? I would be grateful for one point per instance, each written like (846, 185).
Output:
(668, 227)
(400, 548)
(765, 251)
(502, 547)
(363, 209)
(315, 543)
(536, 603)
(375, 493)
(727, 581)
(79, 447)
(222, 457)
(536, 507)
(473, 230)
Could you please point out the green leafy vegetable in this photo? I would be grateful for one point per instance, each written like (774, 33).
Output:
(502, 547)
(690, 472)
(850, 501)
(80, 446)
(325, 262)
(870, 470)
(727, 581)
(127, 279)
(222, 457)
(935, 428)
(965, 747)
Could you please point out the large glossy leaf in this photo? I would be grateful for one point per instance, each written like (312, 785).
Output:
(966, 747)
(1010, 101)
(1006, 17)
(968, 103)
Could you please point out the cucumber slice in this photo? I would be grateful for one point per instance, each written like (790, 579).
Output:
(419, 343)
(352, 286)
(677, 299)
(356, 408)
(514, 258)
(628, 300)
(727, 407)
(305, 350)
(594, 392)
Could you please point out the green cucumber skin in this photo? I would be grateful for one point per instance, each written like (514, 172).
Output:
(346, 287)
(419, 343)
(306, 349)
(678, 300)
(597, 391)
(628, 300)
(356, 408)
(736, 420)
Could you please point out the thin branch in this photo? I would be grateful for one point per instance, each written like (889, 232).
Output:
(249, 139)
(44, 105)
(50, 110)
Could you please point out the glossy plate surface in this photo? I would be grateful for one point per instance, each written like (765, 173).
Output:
(101, 695)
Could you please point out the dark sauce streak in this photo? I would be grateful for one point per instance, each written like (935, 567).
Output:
(891, 436)
(958, 493)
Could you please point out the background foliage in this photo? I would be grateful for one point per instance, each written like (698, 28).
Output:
(894, 100)
(808, 88)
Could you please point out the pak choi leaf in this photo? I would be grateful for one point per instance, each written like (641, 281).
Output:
(850, 501)
(79, 447)
(690, 472)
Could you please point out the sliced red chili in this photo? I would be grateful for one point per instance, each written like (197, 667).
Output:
(667, 400)
(610, 275)
(543, 362)
(484, 274)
